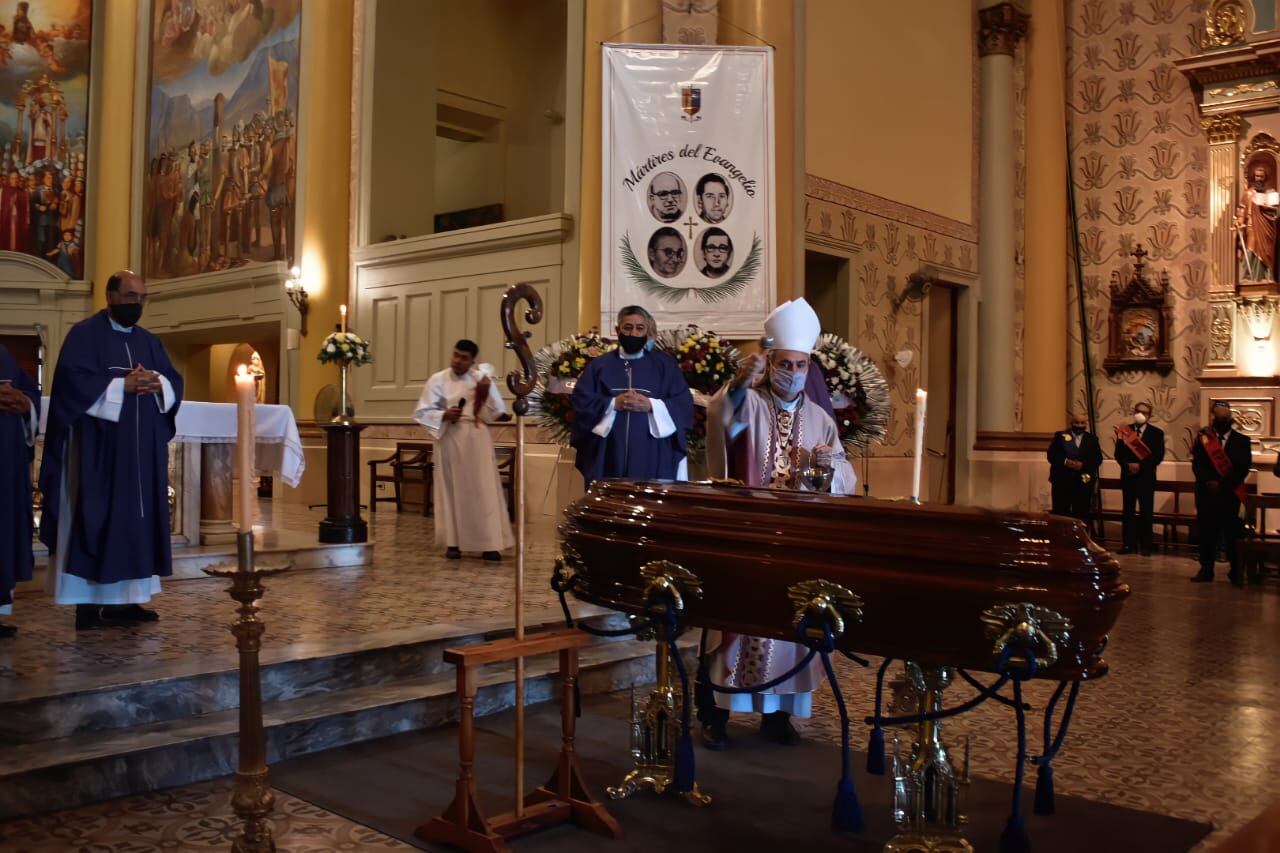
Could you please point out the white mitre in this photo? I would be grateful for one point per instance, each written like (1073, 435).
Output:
(793, 325)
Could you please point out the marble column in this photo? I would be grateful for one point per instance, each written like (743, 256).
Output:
(1000, 27)
(216, 524)
(1044, 337)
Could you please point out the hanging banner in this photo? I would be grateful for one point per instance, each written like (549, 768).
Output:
(687, 175)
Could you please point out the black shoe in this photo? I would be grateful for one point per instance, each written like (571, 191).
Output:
(777, 728)
(492, 556)
(1202, 577)
(132, 613)
(7, 631)
(1147, 552)
(1125, 550)
(89, 617)
(452, 553)
(1237, 579)
(715, 737)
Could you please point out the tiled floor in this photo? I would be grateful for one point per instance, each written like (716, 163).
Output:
(1184, 724)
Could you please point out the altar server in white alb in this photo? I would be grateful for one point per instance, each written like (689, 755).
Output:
(105, 469)
(763, 430)
(455, 406)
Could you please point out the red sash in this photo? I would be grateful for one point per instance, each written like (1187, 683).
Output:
(1218, 456)
(1131, 440)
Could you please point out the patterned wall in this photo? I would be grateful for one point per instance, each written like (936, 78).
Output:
(888, 242)
(1140, 168)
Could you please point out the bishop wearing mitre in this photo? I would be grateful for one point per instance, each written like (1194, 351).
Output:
(763, 429)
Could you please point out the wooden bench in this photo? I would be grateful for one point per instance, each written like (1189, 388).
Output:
(410, 463)
(1170, 514)
(1260, 549)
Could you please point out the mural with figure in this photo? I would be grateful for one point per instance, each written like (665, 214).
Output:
(44, 125)
(219, 183)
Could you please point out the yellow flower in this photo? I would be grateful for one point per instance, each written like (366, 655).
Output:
(579, 362)
(564, 367)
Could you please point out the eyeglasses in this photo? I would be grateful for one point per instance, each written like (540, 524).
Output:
(666, 194)
(671, 253)
(714, 247)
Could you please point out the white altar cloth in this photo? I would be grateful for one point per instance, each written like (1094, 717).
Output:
(277, 444)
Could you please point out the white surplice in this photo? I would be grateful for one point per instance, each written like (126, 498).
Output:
(470, 508)
(67, 588)
(737, 660)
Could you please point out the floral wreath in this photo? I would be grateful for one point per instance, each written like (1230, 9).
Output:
(730, 287)
(859, 393)
(559, 367)
(707, 362)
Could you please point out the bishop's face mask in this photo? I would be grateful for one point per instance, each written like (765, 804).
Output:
(786, 383)
(126, 313)
(1139, 418)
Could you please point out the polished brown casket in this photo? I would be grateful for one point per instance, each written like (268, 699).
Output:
(926, 574)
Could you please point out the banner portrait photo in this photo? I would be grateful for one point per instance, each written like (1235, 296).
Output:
(687, 178)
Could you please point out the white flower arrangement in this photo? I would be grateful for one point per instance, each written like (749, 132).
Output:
(347, 348)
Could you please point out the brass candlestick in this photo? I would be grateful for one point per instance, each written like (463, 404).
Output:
(252, 799)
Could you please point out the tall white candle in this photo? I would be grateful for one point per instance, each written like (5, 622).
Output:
(342, 309)
(246, 397)
(921, 399)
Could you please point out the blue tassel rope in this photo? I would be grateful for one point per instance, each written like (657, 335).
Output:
(875, 741)
(1014, 838)
(846, 811)
(1044, 801)
(1044, 804)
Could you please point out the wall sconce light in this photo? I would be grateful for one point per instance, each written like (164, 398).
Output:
(298, 296)
(1258, 314)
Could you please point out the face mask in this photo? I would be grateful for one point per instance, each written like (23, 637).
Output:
(1139, 418)
(127, 314)
(632, 344)
(1077, 430)
(1222, 424)
(787, 384)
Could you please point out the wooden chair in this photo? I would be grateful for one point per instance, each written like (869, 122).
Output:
(410, 463)
(506, 457)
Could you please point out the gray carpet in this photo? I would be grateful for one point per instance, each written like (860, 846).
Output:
(766, 797)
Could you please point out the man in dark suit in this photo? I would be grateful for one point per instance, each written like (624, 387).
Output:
(1220, 460)
(1139, 450)
(1074, 459)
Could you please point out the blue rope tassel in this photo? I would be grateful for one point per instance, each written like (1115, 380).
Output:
(1014, 839)
(846, 811)
(685, 763)
(1044, 802)
(875, 741)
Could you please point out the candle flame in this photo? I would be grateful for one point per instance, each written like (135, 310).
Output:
(343, 309)
(242, 370)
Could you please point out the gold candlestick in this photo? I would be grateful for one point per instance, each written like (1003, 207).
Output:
(252, 799)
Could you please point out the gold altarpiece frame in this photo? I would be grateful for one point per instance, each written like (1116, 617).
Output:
(1235, 78)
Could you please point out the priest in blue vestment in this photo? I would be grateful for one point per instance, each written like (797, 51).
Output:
(105, 469)
(19, 422)
(632, 408)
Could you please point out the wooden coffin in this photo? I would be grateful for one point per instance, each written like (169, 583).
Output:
(928, 576)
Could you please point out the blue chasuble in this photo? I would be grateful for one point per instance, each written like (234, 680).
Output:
(630, 451)
(15, 481)
(120, 518)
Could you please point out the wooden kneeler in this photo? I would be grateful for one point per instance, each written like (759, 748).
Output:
(563, 799)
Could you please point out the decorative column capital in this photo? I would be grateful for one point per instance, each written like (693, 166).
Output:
(999, 29)
(1222, 128)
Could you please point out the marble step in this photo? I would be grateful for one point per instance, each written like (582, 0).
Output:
(91, 767)
(46, 709)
